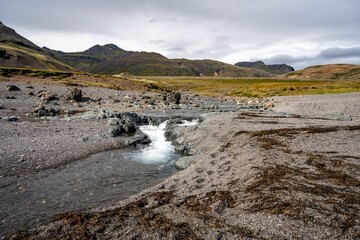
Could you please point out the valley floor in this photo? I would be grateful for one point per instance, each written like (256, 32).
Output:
(291, 171)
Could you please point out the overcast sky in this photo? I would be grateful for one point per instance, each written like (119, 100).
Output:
(296, 32)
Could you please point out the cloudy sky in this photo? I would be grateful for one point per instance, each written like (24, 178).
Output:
(296, 32)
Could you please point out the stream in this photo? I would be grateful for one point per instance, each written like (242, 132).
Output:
(101, 179)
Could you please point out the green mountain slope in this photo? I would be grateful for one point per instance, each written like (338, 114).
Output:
(346, 72)
(89, 59)
(110, 59)
(18, 52)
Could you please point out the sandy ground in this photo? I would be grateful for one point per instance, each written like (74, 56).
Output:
(317, 105)
(287, 173)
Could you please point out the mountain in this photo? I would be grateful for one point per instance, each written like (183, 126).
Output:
(17, 51)
(87, 60)
(328, 72)
(273, 68)
(110, 59)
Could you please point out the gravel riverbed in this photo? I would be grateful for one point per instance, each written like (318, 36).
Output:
(285, 172)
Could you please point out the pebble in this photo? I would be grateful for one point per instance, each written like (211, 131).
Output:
(12, 88)
(13, 119)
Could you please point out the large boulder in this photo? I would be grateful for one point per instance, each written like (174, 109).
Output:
(135, 118)
(74, 94)
(119, 126)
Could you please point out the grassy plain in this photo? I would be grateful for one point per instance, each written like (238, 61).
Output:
(250, 87)
(211, 86)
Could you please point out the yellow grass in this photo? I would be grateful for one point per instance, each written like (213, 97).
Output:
(252, 87)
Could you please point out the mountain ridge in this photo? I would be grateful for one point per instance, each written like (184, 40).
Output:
(328, 72)
(17, 51)
(272, 68)
(117, 60)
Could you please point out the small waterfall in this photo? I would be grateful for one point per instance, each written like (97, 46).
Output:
(159, 151)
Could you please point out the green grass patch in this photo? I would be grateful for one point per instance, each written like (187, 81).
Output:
(8, 72)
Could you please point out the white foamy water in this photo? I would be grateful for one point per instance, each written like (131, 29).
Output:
(159, 150)
(186, 123)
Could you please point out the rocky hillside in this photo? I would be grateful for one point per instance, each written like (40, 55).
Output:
(273, 68)
(328, 72)
(87, 60)
(110, 59)
(17, 51)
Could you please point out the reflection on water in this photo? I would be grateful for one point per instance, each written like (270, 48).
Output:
(101, 179)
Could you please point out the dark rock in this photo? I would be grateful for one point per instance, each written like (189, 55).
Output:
(129, 127)
(134, 118)
(13, 119)
(10, 97)
(74, 94)
(12, 88)
(115, 131)
(113, 122)
(173, 97)
(123, 123)
(42, 111)
(139, 139)
(4, 54)
(31, 94)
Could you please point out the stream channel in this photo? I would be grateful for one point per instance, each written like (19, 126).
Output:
(101, 179)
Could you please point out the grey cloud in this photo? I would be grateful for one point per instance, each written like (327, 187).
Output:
(326, 56)
(284, 58)
(177, 50)
(202, 29)
(157, 42)
(333, 53)
(155, 20)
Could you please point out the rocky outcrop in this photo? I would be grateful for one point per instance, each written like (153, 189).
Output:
(120, 126)
(119, 122)
(273, 68)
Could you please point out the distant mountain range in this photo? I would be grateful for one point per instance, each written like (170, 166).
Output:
(110, 59)
(273, 68)
(18, 52)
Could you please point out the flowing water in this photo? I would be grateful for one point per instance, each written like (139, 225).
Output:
(101, 179)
